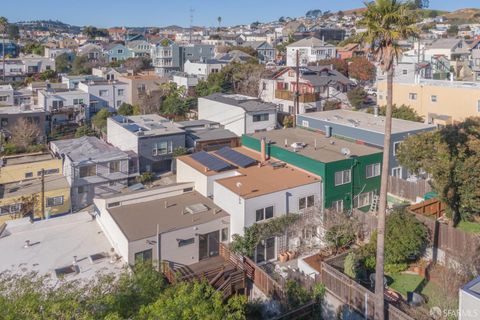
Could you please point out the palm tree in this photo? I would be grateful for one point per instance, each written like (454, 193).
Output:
(3, 30)
(386, 22)
(219, 19)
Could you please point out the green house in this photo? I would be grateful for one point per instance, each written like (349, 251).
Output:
(345, 167)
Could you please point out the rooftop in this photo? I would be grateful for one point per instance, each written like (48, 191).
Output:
(54, 243)
(32, 186)
(209, 134)
(139, 221)
(310, 42)
(247, 103)
(6, 87)
(366, 121)
(147, 125)
(26, 158)
(87, 149)
(102, 82)
(196, 123)
(20, 109)
(327, 149)
(473, 287)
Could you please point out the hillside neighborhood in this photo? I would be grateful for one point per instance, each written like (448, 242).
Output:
(317, 167)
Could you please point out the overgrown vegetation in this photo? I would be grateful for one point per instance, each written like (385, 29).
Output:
(403, 112)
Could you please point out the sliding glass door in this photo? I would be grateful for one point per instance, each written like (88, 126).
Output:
(209, 245)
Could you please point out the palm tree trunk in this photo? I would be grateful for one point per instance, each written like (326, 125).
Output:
(382, 207)
(3, 56)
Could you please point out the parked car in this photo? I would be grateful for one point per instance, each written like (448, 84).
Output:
(372, 92)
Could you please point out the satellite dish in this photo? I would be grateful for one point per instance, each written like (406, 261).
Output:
(346, 152)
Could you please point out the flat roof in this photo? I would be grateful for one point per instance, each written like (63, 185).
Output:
(209, 134)
(256, 181)
(26, 158)
(148, 125)
(53, 244)
(247, 103)
(366, 121)
(139, 221)
(31, 186)
(328, 149)
(19, 110)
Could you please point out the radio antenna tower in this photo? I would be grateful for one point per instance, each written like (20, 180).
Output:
(192, 11)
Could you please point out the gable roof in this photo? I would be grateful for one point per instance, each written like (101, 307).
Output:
(310, 42)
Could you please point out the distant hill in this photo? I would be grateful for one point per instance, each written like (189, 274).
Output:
(464, 15)
(48, 25)
(352, 11)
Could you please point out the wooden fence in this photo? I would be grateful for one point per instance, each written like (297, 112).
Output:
(408, 189)
(432, 207)
(354, 295)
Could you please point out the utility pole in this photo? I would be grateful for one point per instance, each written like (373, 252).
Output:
(297, 92)
(42, 200)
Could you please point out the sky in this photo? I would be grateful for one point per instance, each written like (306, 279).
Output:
(107, 13)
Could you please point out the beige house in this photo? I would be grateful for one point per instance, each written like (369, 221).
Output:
(141, 84)
(438, 101)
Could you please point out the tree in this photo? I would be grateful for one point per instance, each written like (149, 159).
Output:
(331, 105)
(63, 63)
(386, 22)
(80, 65)
(338, 64)
(50, 75)
(126, 109)
(361, 69)
(420, 4)
(84, 131)
(137, 64)
(341, 229)
(33, 47)
(25, 133)
(99, 120)
(453, 30)
(3, 28)
(356, 97)
(403, 112)
(174, 101)
(13, 31)
(219, 20)
(452, 157)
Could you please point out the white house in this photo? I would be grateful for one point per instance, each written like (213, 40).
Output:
(238, 113)
(309, 49)
(6, 95)
(203, 68)
(172, 224)
(104, 93)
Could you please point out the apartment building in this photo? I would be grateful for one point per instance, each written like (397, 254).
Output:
(238, 113)
(9, 116)
(64, 106)
(92, 168)
(152, 137)
(440, 102)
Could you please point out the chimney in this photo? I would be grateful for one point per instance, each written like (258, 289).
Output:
(375, 111)
(263, 149)
(74, 260)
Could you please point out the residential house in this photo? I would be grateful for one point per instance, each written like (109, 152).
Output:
(36, 64)
(117, 52)
(6, 95)
(292, 27)
(93, 168)
(68, 43)
(238, 113)
(64, 106)
(365, 128)
(203, 68)
(9, 116)
(475, 60)
(72, 82)
(433, 99)
(205, 135)
(310, 50)
(172, 224)
(234, 56)
(140, 85)
(188, 81)
(92, 52)
(21, 187)
(345, 167)
(12, 50)
(316, 85)
(53, 53)
(349, 51)
(139, 48)
(265, 51)
(152, 137)
(104, 94)
(457, 51)
(110, 73)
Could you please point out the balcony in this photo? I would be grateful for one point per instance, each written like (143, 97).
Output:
(303, 98)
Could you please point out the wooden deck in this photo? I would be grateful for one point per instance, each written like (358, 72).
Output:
(203, 268)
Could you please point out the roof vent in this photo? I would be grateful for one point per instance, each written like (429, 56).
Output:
(298, 146)
(27, 244)
(196, 208)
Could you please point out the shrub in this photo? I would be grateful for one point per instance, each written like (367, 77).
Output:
(350, 265)
(146, 177)
(10, 148)
(395, 268)
(356, 97)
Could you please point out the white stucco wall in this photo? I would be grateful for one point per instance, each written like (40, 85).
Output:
(230, 116)
(120, 137)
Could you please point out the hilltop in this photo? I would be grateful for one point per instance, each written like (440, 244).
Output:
(464, 15)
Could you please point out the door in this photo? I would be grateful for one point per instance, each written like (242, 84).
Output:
(208, 245)
(265, 250)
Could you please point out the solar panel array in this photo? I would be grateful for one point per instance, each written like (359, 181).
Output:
(236, 157)
(210, 161)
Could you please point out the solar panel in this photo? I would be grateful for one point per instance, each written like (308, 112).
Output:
(210, 161)
(235, 157)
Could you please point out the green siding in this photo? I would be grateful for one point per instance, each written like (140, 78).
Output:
(327, 171)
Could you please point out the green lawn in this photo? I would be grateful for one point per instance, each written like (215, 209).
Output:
(404, 283)
(436, 297)
(471, 227)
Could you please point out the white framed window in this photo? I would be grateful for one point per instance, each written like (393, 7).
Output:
(55, 201)
(337, 205)
(224, 235)
(373, 170)
(264, 213)
(343, 177)
(3, 98)
(433, 98)
(305, 123)
(57, 103)
(412, 96)
(306, 202)
(363, 199)
(121, 92)
(88, 171)
(103, 93)
(77, 101)
(397, 172)
(396, 146)
(162, 148)
(404, 72)
(185, 242)
(260, 117)
(114, 166)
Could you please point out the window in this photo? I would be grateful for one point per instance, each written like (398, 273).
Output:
(264, 213)
(397, 172)
(305, 123)
(342, 177)
(412, 96)
(337, 205)
(28, 175)
(396, 147)
(265, 250)
(185, 242)
(188, 189)
(77, 101)
(306, 202)
(47, 172)
(113, 204)
(478, 106)
(112, 183)
(141, 88)
(404, 72)
(121, 91)
(3, 122)
(373, 170)
(3, 98)
(260, 117)
(88, 171)
(55, 201)
(143, 256)
(12, 208)
(264, 86)
(224, 234)
(81, 190)
(103, 93)
(120, 51)
(57, 104)
(433, 98)
(363, 199)
(162, 148)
